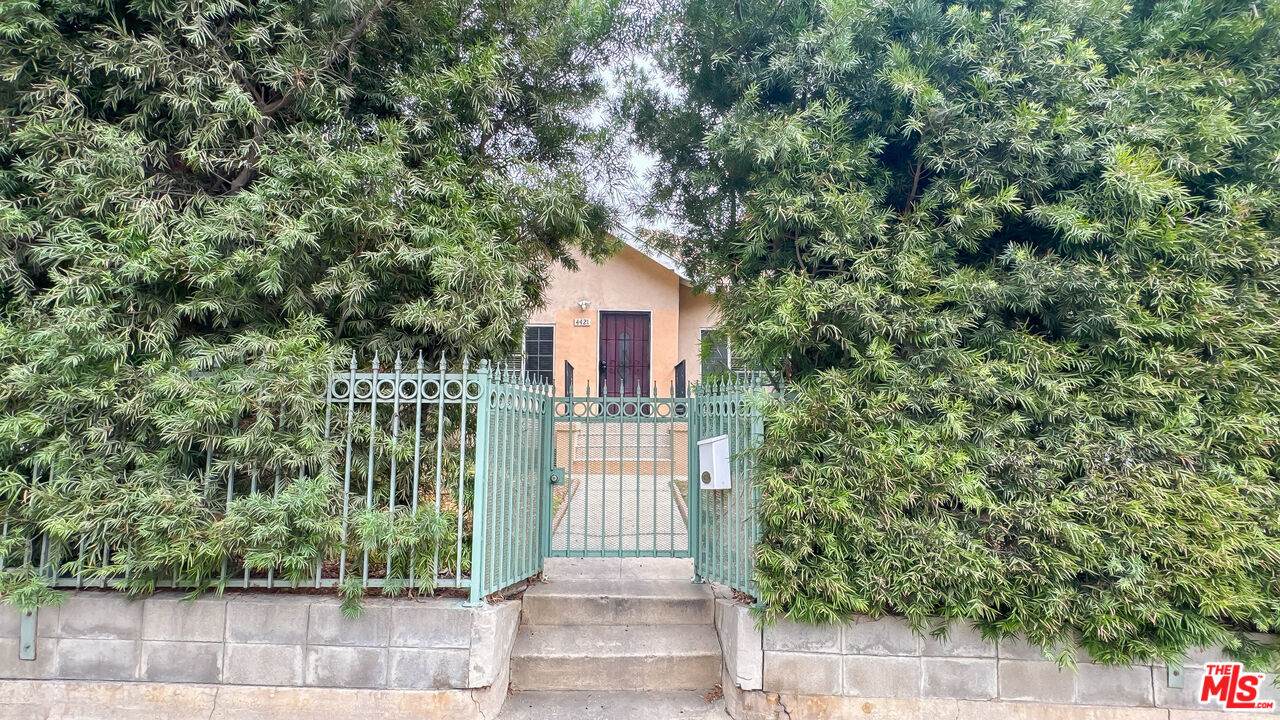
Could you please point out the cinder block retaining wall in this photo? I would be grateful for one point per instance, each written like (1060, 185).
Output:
(434, 652)
(254, 655)
(880, 668)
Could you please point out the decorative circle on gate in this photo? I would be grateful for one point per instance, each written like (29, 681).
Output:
(452, 389)
(364, 389)
(386, 388)
(430, 389)
(473, 390)
(338, 389)
(408, 389)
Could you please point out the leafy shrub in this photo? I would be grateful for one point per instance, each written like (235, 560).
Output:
(1019, 265)
(205, 206)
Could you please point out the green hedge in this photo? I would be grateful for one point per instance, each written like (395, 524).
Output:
(204, 207)
(1067, 524)
(1018, 263)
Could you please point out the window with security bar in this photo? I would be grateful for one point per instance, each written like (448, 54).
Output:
(716, 358)
(539, 352)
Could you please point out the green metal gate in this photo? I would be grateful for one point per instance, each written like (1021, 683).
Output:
(621, 477)
(611, 477)
(513, 463)
(726, 524)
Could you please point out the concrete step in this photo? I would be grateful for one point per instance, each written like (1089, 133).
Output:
(648, 433)
(618, 602)
(557, 569)
(644, 437)
(608, 462)
(625, 438)
(615, 657)
(612, 705)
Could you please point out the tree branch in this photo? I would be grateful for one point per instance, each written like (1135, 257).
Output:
(489, 134)
(915, 185)
(270, 109)
(343, 48)
(251, 160)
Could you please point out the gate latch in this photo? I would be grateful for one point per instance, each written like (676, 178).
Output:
(557, 476)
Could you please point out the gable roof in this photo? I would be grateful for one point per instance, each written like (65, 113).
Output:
(635, 242)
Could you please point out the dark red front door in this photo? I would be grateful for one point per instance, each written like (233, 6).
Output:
(624, 354)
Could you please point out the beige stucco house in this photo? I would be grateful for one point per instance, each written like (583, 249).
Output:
(624, 324)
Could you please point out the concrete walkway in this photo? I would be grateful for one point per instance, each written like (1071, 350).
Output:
(610, 513)
(611, 705)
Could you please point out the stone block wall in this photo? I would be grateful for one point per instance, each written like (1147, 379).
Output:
(276, 640)
(869, 665)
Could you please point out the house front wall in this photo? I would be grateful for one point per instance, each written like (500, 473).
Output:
(627, 282)
(697, 312)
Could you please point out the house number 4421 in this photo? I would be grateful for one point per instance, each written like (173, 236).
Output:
(582, 322)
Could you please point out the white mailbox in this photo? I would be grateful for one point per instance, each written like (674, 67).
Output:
(713, 463)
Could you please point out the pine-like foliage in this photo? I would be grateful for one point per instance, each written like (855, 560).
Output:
(1019, 262)
(203, 204)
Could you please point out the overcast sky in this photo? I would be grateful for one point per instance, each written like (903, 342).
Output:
(631, 190)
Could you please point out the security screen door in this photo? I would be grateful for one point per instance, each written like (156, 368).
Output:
(624, 354)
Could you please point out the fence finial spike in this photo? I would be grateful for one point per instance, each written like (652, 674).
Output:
(398, 361)
(353, 360)
(444, 361)
(376, 366)
(588, 389)
(419, 361)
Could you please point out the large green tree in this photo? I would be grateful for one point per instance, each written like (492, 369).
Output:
(201, 202)
(1018, 263)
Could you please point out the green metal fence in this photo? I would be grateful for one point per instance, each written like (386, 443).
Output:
(449, 448)
(469, 453)
(406, 437)
(725, 524)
